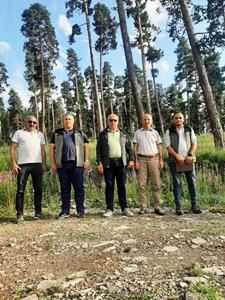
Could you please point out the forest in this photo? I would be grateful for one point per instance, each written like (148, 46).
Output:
(197, 91)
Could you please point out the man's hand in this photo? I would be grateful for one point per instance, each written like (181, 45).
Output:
(86, 165)
(100, 168)
(137, 164)
(188, 159)
(130, 164)
(179, 159)
(15, 169)
(53, 167)
(161, 164)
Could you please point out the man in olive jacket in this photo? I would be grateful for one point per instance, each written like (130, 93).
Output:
(114, 153)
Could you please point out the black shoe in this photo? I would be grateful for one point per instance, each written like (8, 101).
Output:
(38, 216)
(80, 215)
(179, 212)
(63, 216)
(19, 219)
(196, 210)
(159, 211)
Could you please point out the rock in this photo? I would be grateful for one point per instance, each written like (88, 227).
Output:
(140, 259)
(74, 282)
(86, 292)
(131, 269)
(103, 244)
(79, 274)
(47, 284)
(194, 280)
(130, 242)
(47, 234)
(183, 285)
(198, 241)
(109, 249)
(191, 296)
(31, 297)
(219, 271)
(170, 248)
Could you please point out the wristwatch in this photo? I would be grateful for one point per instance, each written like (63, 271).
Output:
(189, 154)
(87, 161)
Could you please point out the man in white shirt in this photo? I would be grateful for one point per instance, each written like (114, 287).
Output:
(30, 161)
(181, 144)
(148, 162)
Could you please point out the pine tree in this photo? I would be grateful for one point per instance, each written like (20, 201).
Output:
(129, 59)
(105, 27)
(83, 6)
(41, 41)
(179, 13)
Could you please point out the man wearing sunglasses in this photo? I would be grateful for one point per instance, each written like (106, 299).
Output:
(114, 153)
(30, 161)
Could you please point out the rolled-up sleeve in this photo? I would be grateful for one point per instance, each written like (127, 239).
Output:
(167, 139)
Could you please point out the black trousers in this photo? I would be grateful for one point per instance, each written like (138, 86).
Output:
(110, 174)
(36, 172)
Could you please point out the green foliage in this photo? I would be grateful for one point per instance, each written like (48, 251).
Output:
(196, 271)
(136, 295)
(207, 291)
(211, 188)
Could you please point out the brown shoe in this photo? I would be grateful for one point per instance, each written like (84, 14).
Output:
(142, 211)
(159, 211)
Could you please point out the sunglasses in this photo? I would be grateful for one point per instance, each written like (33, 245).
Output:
(31, 122)
(112, 120)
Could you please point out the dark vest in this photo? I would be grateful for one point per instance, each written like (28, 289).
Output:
(174, 139)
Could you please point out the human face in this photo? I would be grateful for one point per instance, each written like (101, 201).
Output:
(31, 124)
(178, 120)
(146, 121)
(68, 122)
(112, 122)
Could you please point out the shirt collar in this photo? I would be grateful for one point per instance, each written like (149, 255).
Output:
(150, 129)
(111, 131)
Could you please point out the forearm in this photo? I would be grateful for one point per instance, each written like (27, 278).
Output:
(193, 149)
(86, 152)
(159, 146)
(52, 154)
(135, 152)
(43, 155)
(12, 154)
(172, 152)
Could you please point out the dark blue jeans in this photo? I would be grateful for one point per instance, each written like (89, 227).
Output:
(69, 175)
(110, 174)
(36, 172)
(191, 181)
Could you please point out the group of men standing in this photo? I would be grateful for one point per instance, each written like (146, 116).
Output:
(69, 156)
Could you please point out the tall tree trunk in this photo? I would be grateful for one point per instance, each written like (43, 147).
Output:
(78, 104)
(99, 113)
(157, 101)
(214, 119)
(93, 118)
(43, 94)
(129, 59)
(101, 87)
(148, 99)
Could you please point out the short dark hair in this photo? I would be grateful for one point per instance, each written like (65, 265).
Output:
(175, 113)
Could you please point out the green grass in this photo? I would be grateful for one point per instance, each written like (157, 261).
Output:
(206, 291)
(210, 184)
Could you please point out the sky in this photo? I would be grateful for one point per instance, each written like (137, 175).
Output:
(12, 41)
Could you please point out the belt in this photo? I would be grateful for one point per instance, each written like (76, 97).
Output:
(115, 159)
(148, 156)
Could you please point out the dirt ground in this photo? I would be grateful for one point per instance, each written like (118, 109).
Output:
(134, 254)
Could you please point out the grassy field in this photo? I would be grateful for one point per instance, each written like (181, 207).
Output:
(210, 181)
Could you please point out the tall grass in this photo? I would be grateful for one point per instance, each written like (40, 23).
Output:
(210, 182)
